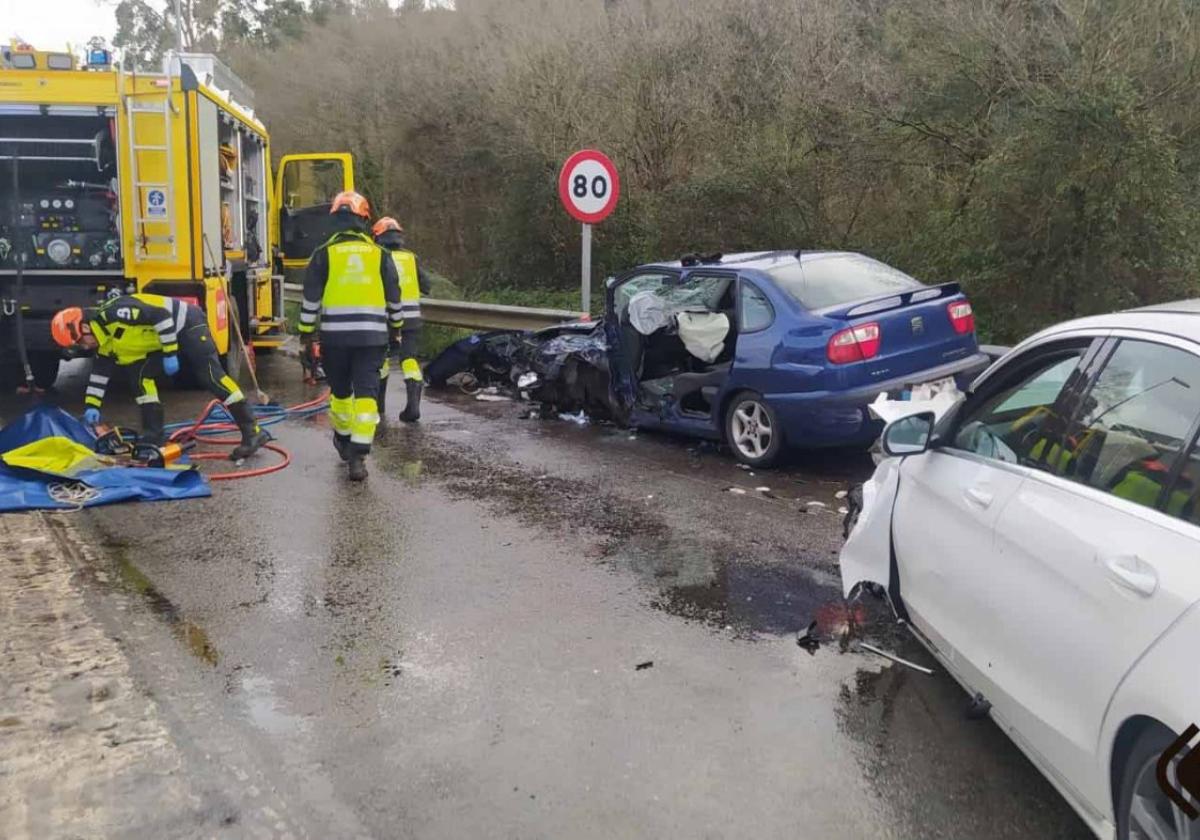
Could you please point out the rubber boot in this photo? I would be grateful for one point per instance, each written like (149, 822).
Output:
(358, 467)
(253, 435)
(152, 423)
(412, 410)
(342, 444)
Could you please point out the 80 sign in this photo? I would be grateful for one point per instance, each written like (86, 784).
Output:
(589, 186)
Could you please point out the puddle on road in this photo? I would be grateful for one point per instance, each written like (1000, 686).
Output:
(713, 585)
(706, 580)
(264, 710)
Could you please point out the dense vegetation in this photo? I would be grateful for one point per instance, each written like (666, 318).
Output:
(1043, 152)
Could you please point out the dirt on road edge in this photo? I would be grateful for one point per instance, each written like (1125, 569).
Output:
(84, 750)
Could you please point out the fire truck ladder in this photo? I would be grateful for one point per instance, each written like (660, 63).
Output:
(153, 201)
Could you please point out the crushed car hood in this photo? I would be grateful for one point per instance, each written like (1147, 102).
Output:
(565, 367)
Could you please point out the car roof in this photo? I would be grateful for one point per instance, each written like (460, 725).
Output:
(1179, 318)
(759, 260)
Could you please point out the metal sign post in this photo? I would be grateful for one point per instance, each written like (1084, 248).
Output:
(586, 261)
(588, 187)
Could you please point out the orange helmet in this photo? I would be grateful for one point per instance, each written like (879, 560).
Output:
(353, 202)
(384, 225)
(67, 326)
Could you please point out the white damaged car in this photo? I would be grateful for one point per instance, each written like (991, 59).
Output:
(1041, 536)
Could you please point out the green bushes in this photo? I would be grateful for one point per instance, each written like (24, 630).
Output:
(1045, 155)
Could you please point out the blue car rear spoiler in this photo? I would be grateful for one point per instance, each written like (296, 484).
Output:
(870, 306)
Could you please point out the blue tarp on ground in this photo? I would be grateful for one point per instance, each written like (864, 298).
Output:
(23, 489)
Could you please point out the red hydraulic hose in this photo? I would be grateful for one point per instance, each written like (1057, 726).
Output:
(194, 431)
(250, 473)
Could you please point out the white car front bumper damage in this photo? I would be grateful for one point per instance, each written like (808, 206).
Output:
(867, 556)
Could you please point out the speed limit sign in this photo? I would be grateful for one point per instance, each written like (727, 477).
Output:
(588, 186)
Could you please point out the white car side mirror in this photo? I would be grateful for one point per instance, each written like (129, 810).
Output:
(909, 435)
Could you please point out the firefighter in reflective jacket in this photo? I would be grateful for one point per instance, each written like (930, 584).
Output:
(145, 334)
(413, 284)
(351, 290)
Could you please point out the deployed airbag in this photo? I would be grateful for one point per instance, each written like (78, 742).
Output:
(703, 333)
(650, 312)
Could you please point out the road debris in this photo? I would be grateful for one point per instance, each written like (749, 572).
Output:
(527, 380)
(979, 707)
(895, 658)
(807, 638)
(579, 419)
(642, 666)
(737, 491)
(763, 489)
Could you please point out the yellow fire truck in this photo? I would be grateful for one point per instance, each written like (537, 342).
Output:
(114, 180)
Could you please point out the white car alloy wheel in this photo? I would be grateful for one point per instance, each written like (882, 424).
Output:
(1152, 816)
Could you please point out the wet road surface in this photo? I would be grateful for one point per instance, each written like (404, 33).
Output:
(524, 628)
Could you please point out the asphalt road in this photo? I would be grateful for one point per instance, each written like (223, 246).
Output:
(527, 628)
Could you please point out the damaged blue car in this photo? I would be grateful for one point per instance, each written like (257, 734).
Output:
(781, 349)
(767, 351)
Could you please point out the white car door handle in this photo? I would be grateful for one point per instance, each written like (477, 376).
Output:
(1131, 572)
(977, 497)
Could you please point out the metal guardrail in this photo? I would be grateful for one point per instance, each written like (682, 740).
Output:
(477, 316)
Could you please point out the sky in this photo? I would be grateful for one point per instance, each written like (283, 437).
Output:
(50, 24)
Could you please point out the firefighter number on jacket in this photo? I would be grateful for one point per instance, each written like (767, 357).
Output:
(354, 299)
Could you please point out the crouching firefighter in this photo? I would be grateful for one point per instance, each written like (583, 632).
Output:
(144, 335)
(352, 292)
(413, 284)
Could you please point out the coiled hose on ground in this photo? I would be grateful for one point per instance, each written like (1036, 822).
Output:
(215, 420)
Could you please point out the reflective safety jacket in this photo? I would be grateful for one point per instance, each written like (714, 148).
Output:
(410, 286)
(128, 329)
(352, 292)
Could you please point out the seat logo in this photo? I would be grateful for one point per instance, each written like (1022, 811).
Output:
(918, 325)
(1182, 761)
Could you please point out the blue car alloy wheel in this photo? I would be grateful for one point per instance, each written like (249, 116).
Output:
(753, 430)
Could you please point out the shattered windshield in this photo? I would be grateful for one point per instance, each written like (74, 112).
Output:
(821, 280)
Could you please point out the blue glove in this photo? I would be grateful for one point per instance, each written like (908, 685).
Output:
(170, 365)
(91, 416)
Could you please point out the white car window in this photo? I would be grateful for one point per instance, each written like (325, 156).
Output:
(1020, 422)
(1135, 423)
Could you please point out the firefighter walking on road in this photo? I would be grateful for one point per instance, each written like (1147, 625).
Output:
(144, 334)
(352, 292)
(413, 284)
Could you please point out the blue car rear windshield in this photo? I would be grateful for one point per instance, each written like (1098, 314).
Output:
(821, 280)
